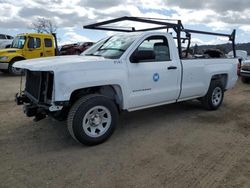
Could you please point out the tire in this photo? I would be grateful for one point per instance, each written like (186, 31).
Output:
(92, 119)
(214, 97)
(14, 71)
(244, 80)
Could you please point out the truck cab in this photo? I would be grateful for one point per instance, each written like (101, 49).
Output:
(26, 46)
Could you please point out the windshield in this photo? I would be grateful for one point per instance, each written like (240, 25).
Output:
(18, 42)
(111, 47)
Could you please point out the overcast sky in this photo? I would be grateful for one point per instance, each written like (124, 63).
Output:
(16, 16)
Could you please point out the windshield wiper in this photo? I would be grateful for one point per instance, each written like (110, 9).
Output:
(92, 54)
(118, 49)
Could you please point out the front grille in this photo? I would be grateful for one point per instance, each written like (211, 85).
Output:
(246, 68)
(33, 83)
(39, 86)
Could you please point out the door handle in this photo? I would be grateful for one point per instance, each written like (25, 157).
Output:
(172, 67)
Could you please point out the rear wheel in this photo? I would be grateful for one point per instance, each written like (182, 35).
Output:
(214, 97)
(92, 119)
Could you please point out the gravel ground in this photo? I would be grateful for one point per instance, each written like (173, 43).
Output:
(180, 145)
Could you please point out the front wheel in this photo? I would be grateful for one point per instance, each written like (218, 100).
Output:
(14, 71)
(214, 97)
(92, 119)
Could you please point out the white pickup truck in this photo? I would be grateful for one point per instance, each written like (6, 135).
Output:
(124, 72)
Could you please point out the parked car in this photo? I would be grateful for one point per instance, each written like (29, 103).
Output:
(240, 54)
(26, 46)
(75, 49)
(245, 71)
(244, 65)
(125, 72)
(5, 41)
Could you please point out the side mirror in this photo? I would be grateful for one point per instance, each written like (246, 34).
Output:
(142, 55)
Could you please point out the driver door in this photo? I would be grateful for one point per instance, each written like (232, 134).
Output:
(153, 81)
(34, 48)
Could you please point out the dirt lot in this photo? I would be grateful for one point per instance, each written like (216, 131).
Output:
(179, 145)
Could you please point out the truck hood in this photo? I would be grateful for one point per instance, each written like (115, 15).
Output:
(62, 63)
(7, 51)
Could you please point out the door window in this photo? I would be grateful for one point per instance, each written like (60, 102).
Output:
(38, 43)
(34, 42)
(157, 45)
(9, 37)
(48, 43)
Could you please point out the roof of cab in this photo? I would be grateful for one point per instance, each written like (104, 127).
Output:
(36, 34)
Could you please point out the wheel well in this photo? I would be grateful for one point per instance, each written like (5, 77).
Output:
(221, 77)
(17, 59)
(113, 92)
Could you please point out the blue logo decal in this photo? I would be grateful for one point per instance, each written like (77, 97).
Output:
(156, 77)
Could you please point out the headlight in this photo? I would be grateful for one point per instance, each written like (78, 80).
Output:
(3, 58)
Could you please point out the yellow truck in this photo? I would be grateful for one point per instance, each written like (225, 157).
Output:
(27, 46)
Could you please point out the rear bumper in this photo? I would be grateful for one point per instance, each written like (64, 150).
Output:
(4, 66)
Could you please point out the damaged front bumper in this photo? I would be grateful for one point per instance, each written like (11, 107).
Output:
(37, 97)
(32, 109)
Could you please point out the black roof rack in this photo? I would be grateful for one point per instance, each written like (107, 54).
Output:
(159, 24)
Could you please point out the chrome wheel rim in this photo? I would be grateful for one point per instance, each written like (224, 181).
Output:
(217, 96)
(97, 121)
